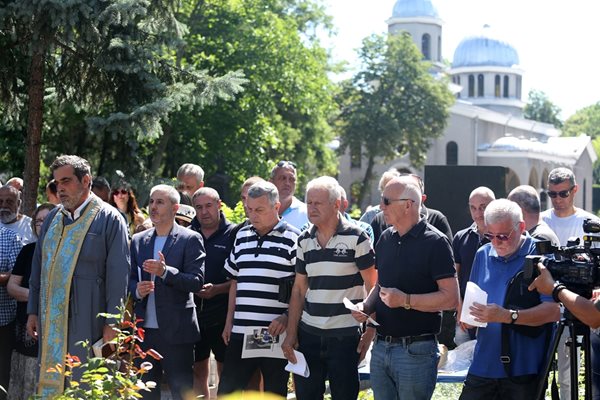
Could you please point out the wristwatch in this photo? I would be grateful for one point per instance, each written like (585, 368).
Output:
(514, 314)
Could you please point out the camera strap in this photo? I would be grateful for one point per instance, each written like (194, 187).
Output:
(518, 297)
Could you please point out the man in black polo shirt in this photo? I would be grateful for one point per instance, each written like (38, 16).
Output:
(465, 245)
(211, 301)
(416, 282)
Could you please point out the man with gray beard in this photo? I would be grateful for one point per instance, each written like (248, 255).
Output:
(11, 218)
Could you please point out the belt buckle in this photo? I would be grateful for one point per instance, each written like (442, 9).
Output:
(505, 359)
(388, 339)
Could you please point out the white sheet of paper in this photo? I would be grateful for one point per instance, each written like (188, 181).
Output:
(300, 368)
(473, 294)
(353, 307)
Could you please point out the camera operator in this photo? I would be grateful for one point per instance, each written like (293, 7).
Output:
(586, 310)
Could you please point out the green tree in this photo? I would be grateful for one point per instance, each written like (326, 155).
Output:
(112, 62)
(586, 121)
(393, 105)
(540, 108)
(284, 110)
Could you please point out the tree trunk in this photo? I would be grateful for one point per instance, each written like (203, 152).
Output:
(31, 175)
(157, 159)
(365, 185)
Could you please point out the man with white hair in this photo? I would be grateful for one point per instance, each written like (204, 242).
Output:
(416, 282)
(10, 215)
(510, 353)
(191, 178)
(335, 260)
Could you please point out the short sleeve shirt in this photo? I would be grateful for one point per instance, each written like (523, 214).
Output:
(413, 263)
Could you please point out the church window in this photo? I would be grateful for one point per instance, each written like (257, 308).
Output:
(426, 46)
(519, 87)
(497, 86)
(471, 86)
(480, 86)
(439, 49)
(451, 153)
(505, 85)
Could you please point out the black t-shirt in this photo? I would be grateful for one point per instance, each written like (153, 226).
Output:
(218, 246)
(22, 268)
(412, 263)
(465, 245)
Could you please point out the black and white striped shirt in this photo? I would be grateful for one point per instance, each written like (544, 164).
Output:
(258, 263)
(333, 273)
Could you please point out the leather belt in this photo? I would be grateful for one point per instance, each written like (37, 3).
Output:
(405, 340)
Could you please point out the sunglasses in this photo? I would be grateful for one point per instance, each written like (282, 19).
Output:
(122, 191)
(563, 193)
(500, 237)
(387, 201)
(284, 163)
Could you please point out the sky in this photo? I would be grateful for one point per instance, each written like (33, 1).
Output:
(557, 41)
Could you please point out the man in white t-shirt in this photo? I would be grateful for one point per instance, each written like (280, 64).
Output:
(566, 221)
(10, 216)
(292, 210)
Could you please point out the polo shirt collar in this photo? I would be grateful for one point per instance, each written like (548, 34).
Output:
(416, 230)
(280, 227)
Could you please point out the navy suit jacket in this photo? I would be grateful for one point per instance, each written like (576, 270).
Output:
(175, 308)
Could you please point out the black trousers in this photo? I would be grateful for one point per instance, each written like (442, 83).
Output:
(177, 364)
(237, 371)
(7, 337)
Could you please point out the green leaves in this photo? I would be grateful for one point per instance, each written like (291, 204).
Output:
(393, 105)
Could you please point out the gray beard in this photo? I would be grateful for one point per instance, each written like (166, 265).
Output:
(7, 218)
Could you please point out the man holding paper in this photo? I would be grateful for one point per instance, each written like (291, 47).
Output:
(496, 373)
(417, 281)
(335, 261)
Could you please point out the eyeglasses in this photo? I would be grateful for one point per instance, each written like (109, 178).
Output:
(122, 191)
(386, 201)
(284, 163)
(500, 237)
(563, 193)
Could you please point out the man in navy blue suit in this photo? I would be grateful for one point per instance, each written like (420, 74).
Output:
(167, 267)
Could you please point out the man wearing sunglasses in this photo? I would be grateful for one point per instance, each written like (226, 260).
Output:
(495, 265)
(416, 281)
(566, 221)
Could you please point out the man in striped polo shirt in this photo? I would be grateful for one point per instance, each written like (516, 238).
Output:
(335, 259)
(264, 253)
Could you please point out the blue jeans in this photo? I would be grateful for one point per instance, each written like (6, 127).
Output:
(401, 371)
(334, 358)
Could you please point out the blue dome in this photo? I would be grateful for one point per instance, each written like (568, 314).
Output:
(484, 50)
(414, 8)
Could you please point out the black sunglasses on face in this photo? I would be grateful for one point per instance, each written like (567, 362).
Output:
(122, 191)
(284, 163)
(563, 193)
(386, 201)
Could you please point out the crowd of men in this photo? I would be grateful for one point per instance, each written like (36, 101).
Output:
(199, 283)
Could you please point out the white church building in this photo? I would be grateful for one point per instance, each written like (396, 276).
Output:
(486, 125)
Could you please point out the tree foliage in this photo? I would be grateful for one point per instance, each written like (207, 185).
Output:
(110, 62)
(540, 108)
(586, 121)
(284, 111)
(393, 105)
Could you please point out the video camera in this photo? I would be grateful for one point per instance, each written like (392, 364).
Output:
(578, 267)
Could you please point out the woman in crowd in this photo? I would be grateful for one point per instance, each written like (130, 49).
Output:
(23, 371)
(122, 197)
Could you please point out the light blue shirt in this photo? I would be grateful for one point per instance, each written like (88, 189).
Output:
(151, 320)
